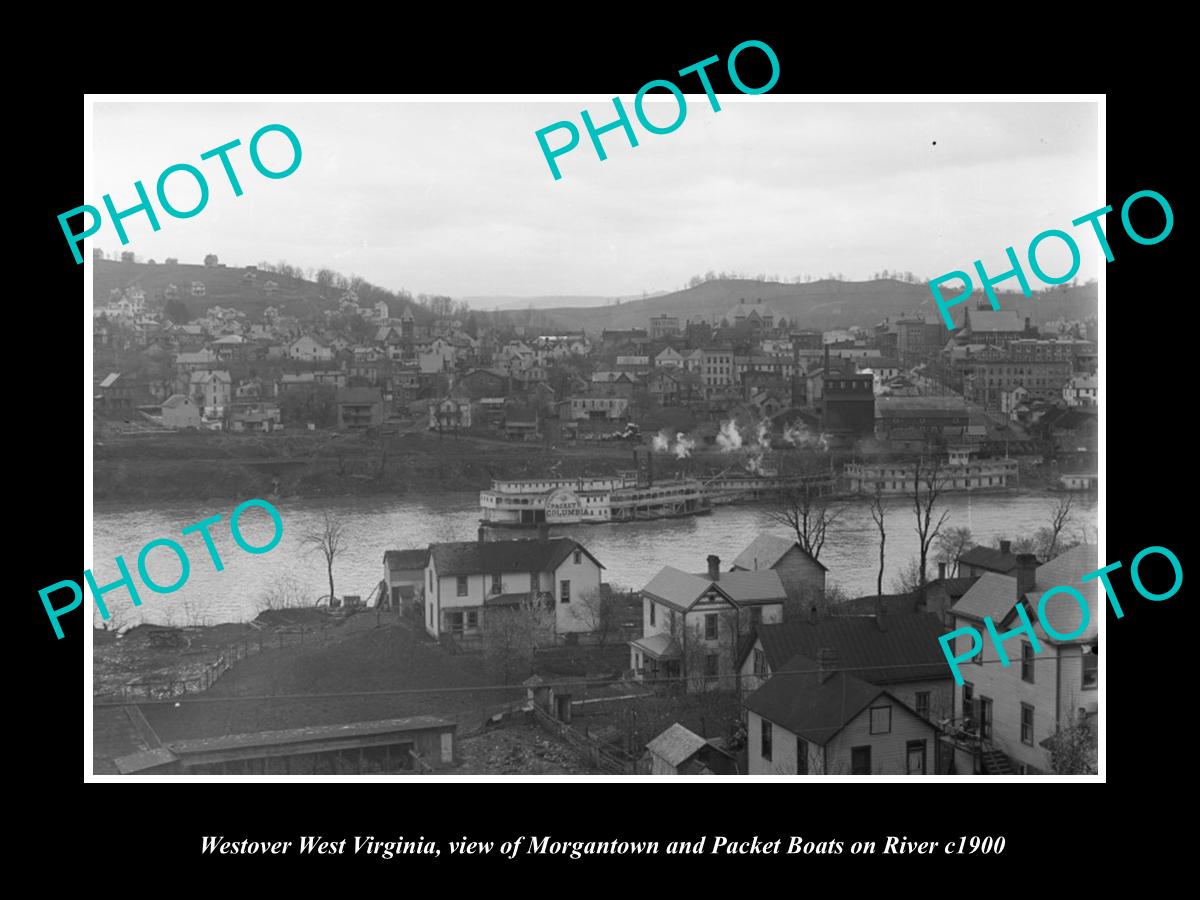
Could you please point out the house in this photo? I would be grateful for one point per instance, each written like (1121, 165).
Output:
(979, 560)
(693, 625)
(449, 414)
(802, 576)
(593, 408)
(360, 407)
(180, 411)
(663, 387)
(213, 390)
(894, 650)
(1080, 391)
(669, 358)
(521, 423)
(262, 415)
(463, 579)
(1008, 712)
(663, 326)
(186, 362)
(308, 349)
(678, 751)
(404, 576)
(120, 394)
(822, 720)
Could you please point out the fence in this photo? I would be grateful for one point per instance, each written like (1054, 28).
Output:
(599, 755)
(177, 685)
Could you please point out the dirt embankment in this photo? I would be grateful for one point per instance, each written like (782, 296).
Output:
(204, 466)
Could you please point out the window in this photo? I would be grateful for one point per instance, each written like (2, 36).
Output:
(1026, 662)
(533, 581)
(497, 585)
(1091, 672)
(431, 579)
(923, 704)
(564, 591)
(672, 621)
(881, 720)
(756, 616)
(801, 756)
(985, 718)
(760, 662)
(860, 760)
(710, 627)
(915, 757)
(578, 556)
(711, 664)
(461, 586)
(968, 694)
(1026, 724)
(473, 619)
(652, 607)
(765, 739)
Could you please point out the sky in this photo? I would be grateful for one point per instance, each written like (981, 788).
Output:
(456, 198)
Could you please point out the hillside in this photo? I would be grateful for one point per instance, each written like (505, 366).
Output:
(223, 286)
(819, 305)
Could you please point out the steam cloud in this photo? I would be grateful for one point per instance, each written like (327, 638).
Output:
(729, 438)
(683, 446)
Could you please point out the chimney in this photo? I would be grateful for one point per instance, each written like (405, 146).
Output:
(826, 663)
(1026, 567)
(1006, 546)
(482, 535)
(714, 567)
(941, 571)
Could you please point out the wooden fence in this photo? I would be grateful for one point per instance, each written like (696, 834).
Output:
(167, 686)
(603, 757)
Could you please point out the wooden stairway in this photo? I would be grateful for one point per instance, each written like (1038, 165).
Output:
(995, 762)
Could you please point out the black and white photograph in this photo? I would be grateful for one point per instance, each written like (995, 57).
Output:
(741, 434)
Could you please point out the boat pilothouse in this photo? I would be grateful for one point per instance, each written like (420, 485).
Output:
(624, 497)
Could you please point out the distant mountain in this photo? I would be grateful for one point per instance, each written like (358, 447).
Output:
(558, 302)
(820, 305)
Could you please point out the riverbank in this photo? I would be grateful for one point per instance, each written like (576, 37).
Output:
(217, 466)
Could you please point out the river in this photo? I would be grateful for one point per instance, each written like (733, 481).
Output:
(631, 553)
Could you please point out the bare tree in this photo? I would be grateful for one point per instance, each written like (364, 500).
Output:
(877, 513)
(1060, 517)
(600, 611)
(281, 593)
(952, 544)
(328, 539)
(510, 636)
(809, 514)
(929, 481)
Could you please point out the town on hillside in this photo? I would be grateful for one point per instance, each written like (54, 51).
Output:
(512, 634)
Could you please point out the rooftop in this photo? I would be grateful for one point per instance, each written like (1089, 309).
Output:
(906, 648)
(804, 705)
(526, 555)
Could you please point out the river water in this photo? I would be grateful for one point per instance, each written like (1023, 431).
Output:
(632, 553)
